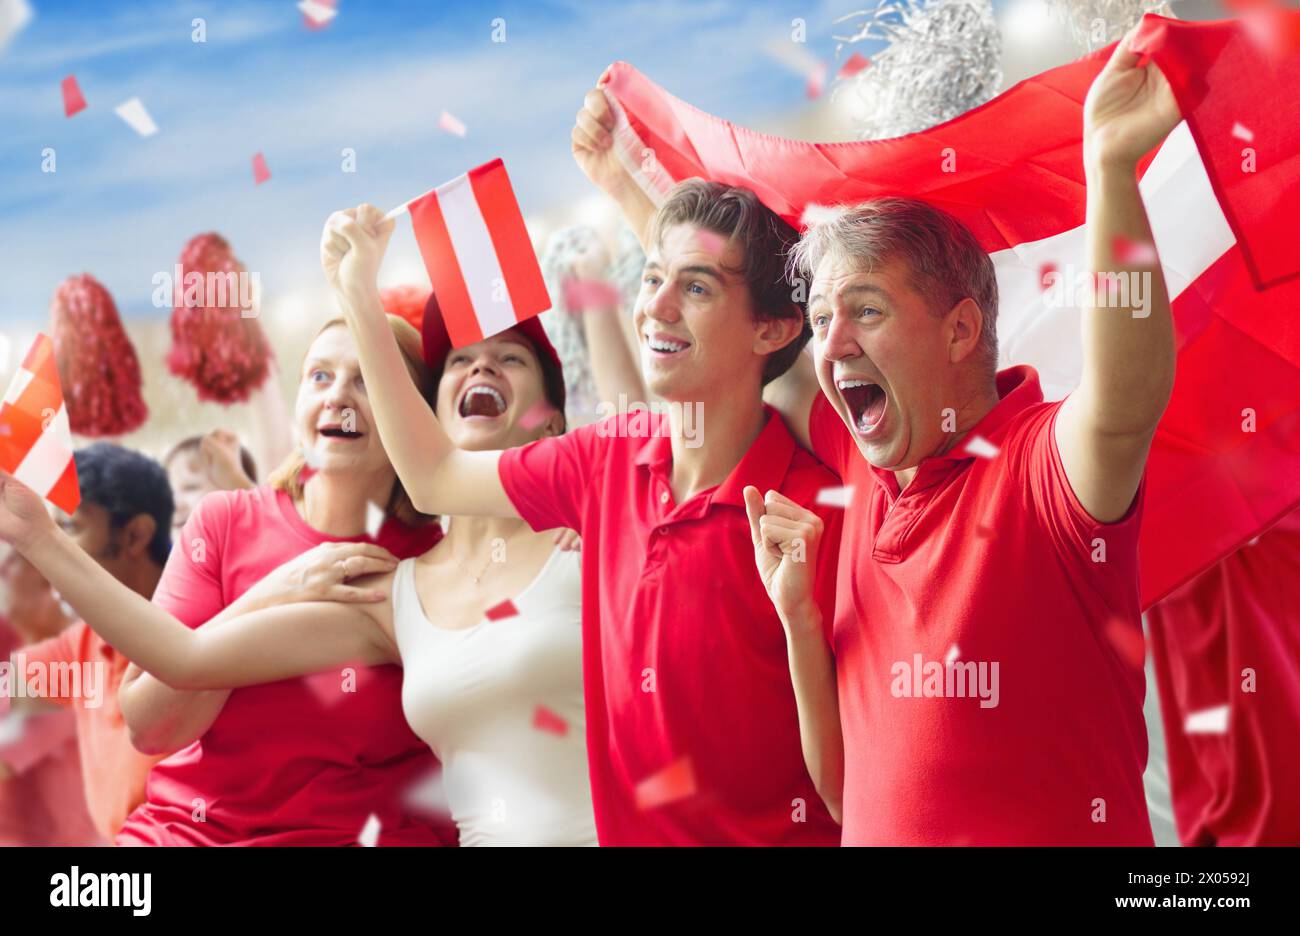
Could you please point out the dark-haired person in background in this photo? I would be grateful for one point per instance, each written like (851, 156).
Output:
(124, 523)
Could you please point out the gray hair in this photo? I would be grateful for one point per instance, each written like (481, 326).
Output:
(948, 264)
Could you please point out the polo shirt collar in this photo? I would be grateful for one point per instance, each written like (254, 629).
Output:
(765, 465)
(1018, 388)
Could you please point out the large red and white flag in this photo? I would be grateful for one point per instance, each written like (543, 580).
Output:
(35, 436)
(1223, 195)
(478, 254)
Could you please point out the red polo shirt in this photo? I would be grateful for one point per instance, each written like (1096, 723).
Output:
(1231, 637)
(984, 692)
(692, 730)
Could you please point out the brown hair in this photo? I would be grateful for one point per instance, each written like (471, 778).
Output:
(193, 443)
(288, 477)
(765, 240)
(947, 262)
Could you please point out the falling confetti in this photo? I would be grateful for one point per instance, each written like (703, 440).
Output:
(591, 295)
(1208, 721)
(1242, 133)
(73, 102)
(1138, 253)
(14, 15)
(951, 656)
(816, 81)
(537, 414)
(981, 447)
(452, 125)
(374, 519)
(136, 117)
(1127, 641)
(854, 64)
(1044, 271)
(505, 609)
(675, 782)
(369, 836)
(318, 13)
(546, 720)
(835, 496)
(260, 172)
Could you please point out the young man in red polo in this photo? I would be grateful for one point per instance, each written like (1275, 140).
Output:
(692, 727)
(988, 581)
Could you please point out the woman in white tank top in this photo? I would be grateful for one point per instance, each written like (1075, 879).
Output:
(487, 624)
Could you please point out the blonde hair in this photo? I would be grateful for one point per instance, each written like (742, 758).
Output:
(288, 477)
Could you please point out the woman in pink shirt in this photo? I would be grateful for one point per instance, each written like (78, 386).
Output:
(301, 761)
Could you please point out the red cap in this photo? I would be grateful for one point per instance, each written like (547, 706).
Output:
(437, 345)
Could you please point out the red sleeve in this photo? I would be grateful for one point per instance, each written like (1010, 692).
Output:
(191, 588)
(548, 480)
(828, 564)
(829, 436)
(61, 648)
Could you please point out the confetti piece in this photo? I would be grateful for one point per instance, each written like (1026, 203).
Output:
(1127, 641)
(374, 519)
(1208, 721)
(505, 609)
(12, 728)
(818, 214)
(73, 102)
(1134, 252)
(14, 15)
(1043, 272)
(1242, 133)
(675, 782)
(816, 81)
(260, 172)
(136, 117)
(453, 126)
(854, 64)
(591, 295)
(835, 496)
(537, 414)
(318, 13)
(369, 836)
(981, 447)
(546, 720)
(951, 656)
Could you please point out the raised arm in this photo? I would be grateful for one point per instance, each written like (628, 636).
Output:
(593, 151)
(792, 396)
(786, 539)
(1104, 429)
(438, 477)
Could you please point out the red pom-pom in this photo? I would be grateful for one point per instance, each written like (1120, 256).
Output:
(214, 347)
(97, 362)
(406, 302)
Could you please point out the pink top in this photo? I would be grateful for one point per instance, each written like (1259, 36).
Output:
(303, 761)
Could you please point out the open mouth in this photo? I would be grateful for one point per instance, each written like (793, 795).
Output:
(482, 400)
(866, 401)
(662, 344)
(338, 432)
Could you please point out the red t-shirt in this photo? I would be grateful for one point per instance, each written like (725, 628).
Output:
(1238, 787)
(113, 772)
(692, 730)
(296, 762)
(984, 691)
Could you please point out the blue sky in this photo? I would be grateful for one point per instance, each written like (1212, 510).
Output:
(121, 206)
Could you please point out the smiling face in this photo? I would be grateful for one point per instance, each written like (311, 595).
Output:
(492, 395)
(695, 319)
(883, 359)
(332, 413)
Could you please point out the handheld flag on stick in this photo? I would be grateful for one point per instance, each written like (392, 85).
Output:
(35, 437)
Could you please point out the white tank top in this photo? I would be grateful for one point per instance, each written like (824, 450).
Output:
(500, 703)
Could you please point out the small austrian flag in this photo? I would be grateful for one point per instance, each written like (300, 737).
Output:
(981, 447)
(37, 448)
(478, 254)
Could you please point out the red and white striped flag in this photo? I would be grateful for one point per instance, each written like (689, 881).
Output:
(1225, 464)
(35, 437)
(478, 254)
